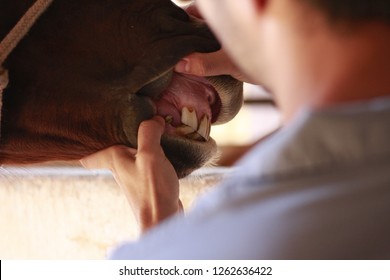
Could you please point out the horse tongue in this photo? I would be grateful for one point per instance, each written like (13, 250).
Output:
(187, 99)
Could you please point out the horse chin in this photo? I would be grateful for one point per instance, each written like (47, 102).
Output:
(187, 155)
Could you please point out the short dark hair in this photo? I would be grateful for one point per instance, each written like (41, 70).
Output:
(354, 10)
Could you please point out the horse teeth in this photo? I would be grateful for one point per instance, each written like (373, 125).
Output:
(185, 130)
(188, 117)
(204, 127)
(191, 128)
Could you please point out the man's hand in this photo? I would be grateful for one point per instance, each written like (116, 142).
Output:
(146, 177)
(208, 64)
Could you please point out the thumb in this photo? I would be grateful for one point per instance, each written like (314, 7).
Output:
(206, 64)
(211, 64)
(149, 135)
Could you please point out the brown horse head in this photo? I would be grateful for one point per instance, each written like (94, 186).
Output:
(90, 71)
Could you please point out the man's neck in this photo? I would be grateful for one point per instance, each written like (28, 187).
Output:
(336, 68)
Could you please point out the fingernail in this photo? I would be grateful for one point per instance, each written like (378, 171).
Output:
(183, 66)
(160, 120)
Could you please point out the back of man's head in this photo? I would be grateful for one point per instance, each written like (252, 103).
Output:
(354, 10)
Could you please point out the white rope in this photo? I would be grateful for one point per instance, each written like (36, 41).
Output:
(13, 38)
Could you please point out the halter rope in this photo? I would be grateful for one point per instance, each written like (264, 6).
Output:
(8, 44)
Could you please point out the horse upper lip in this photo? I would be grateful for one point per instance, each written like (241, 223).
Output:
(156, 87)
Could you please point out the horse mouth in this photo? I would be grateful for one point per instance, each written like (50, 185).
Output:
(189, 105)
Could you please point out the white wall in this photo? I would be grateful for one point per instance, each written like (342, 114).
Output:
(71, 213)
